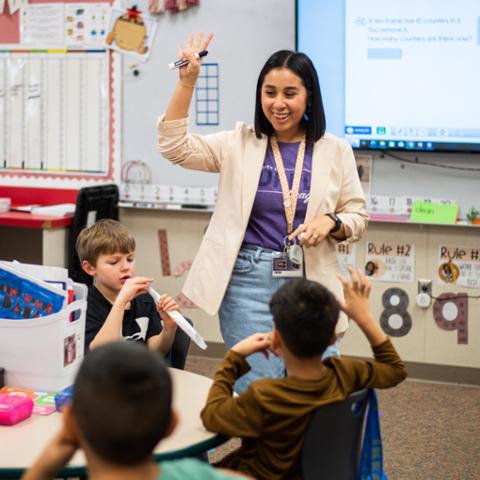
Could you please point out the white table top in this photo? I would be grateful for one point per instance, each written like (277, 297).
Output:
(22, 443)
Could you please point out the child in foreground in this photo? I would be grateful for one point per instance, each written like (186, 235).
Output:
(121, 409)
(118, 303)
(272, 415)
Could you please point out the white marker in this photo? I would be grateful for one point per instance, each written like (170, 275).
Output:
(184, 61)
(179, 319)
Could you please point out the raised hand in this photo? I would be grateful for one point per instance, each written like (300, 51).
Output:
(188, 73)
(356, 293)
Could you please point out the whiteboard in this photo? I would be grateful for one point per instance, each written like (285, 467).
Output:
(247, 32)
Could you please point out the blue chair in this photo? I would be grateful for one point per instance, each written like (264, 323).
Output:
(333, 440)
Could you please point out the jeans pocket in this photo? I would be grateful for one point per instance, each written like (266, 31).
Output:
(243, 263)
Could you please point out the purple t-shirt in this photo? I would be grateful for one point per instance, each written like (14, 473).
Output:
(267, 225)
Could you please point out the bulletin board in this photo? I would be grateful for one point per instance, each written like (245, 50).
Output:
(57, 126)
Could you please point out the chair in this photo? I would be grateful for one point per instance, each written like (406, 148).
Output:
(178, 353)
(333, 440)
(93, 203)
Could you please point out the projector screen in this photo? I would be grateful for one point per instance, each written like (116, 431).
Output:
(397, 74)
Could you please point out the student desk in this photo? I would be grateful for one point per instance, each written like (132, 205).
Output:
(31, 238)
(22, 443)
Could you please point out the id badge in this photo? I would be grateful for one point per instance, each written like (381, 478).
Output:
(283, 266)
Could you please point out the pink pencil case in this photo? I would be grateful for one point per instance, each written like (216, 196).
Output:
(14, 409)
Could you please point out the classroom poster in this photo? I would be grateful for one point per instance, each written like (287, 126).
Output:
(131, 32)
(42, 24)
(13, 5)
(364, 169)
(86, 24)
(347, 257)
(459, 265)
(387, 261)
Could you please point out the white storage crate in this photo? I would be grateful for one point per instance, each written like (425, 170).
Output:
(45, 353)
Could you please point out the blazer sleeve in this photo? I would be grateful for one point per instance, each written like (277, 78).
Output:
(195, 152)
(351, 205)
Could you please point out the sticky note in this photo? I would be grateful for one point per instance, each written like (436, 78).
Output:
(426, 212)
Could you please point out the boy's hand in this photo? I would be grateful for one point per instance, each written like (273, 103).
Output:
(54, 457)
(167, 304)
(258, 342)
(357, 306)
(132, 288)
(356, 292)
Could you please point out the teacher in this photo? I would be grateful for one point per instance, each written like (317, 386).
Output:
(284, 183)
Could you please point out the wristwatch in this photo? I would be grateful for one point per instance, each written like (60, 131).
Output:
(336, 219)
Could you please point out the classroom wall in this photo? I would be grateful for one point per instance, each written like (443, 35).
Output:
(246, 34)
(167, 242)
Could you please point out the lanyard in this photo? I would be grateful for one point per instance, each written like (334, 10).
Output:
(289, 196)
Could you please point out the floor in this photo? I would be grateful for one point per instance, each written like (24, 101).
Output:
(429, 430)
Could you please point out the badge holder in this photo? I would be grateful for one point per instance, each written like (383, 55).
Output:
(289, 262)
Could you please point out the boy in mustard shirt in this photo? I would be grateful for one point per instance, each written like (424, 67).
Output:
(272, 415)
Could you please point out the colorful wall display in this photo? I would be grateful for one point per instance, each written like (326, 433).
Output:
(347, 257)
(387, 261)
(459, 265)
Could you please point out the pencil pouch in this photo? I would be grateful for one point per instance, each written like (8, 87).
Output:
(14, 409)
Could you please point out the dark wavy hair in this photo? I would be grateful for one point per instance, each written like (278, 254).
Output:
(305, 314)
(122, 401)
(302, 66)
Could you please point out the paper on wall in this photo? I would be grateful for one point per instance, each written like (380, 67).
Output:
(42, 24)
(86, 24)
(13, 5)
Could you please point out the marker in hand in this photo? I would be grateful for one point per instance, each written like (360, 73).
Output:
(184, 61)
(179, 319)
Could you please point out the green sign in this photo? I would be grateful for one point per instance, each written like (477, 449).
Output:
(381, 130)
(426, 212)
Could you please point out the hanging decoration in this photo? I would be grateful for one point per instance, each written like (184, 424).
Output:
(172, 6)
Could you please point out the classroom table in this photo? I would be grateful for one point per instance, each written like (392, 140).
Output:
(40, 239)
(22, 443)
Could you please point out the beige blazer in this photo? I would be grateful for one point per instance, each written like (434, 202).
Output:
(238, 156)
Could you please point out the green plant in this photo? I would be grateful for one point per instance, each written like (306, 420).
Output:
(472, 214)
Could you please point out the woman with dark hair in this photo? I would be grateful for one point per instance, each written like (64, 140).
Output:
(287, 193)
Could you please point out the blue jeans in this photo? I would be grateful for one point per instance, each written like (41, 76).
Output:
(244, 311)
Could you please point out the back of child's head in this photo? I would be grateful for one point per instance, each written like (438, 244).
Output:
(122, 402)
(105, 237)
(305, 314)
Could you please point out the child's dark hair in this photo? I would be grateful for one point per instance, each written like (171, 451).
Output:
(105, 237)
(122, 402)
(305, 314)
(301, 65)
